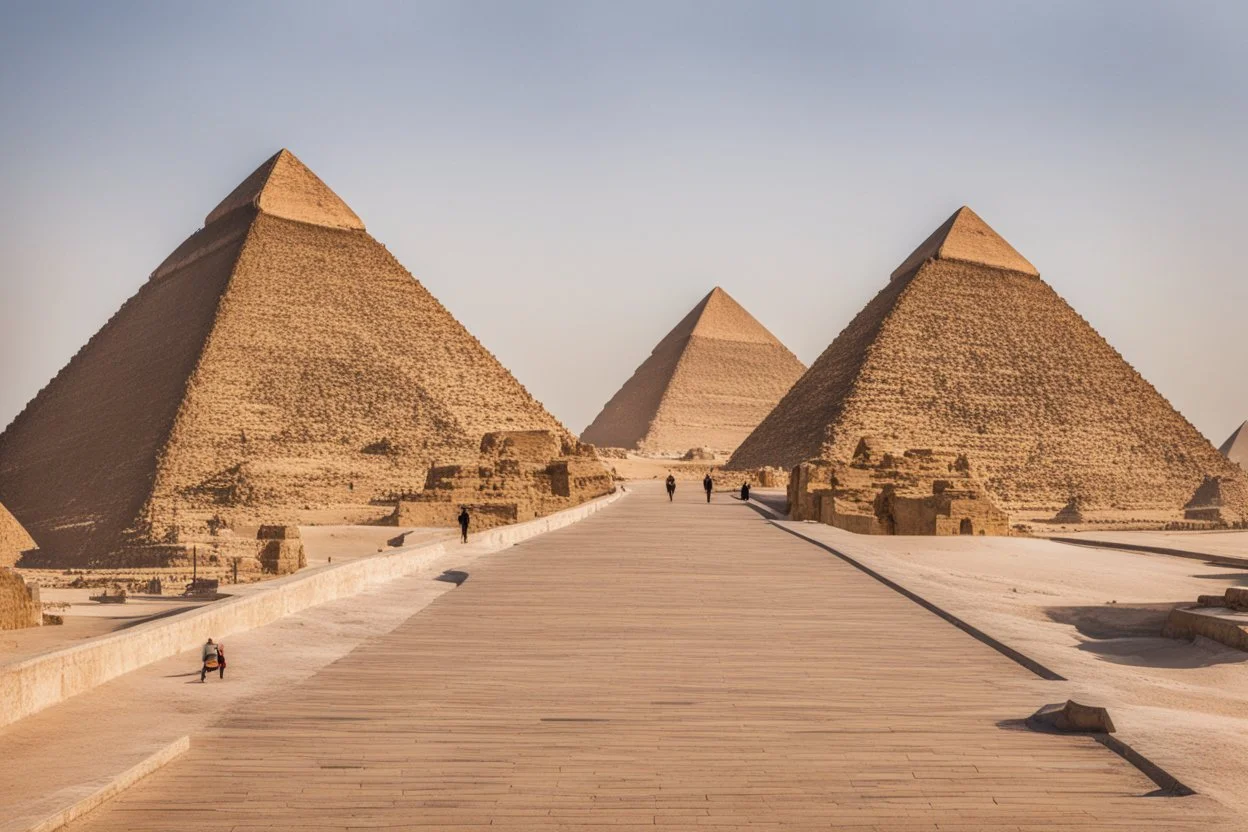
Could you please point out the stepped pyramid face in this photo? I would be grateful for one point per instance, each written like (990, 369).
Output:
(279, 361)
(13, 539)
(706, 384)
(968, 350)
(1235, 448)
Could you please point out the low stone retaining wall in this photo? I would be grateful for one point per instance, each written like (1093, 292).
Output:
(1223, 625)
(29, 686)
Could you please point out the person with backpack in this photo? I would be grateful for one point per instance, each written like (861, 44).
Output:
(211, 655)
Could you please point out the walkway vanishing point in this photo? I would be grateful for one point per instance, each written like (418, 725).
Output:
(678, 665)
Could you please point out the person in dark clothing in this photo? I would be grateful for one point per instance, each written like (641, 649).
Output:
(671, 487)
(708, 484)
(463, 524)
(221, 661)
(745, 491)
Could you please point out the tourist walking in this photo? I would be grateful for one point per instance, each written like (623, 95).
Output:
(211, 655)
(708, 484)
(463, 524)
(745, 492)
(220, 661)
(671, 487)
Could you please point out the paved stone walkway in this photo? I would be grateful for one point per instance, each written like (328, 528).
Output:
(675, 665)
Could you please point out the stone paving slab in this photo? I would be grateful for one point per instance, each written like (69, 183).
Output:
(659, 664)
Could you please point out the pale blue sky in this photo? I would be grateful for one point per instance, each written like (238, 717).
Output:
(569, 178)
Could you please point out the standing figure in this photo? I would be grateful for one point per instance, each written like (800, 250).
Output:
(745, 492)
(708, 484)
(463, 524)
(671, 486)
(220, 660)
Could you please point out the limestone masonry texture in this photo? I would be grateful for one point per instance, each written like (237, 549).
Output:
(279, 361)
(13, 539)
(985, 359)
(706, 384)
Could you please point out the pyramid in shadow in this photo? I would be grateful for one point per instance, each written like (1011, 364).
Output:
(279, 366)
(706, 384)
(1235, 448)
(968, 350)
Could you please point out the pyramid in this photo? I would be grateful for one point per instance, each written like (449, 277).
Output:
(968, 350)
(279, 362)
(1235, 448)
(13, 539)
(706, 384)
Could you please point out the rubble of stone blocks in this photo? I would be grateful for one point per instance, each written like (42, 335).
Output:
(1222, 618)
(519, 475)
(19, 602)
(281, 549)
(918, 491)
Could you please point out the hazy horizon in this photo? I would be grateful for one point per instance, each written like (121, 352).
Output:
(569, 179)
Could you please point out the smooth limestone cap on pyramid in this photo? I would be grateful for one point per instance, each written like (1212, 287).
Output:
(966, 349)
(280, 361)
(1235, 448)
(706, 384)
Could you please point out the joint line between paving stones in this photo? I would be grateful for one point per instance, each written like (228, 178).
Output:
(1009, 652)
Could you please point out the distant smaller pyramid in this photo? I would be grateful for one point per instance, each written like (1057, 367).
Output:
(708, 383)
(13, 538)
(1235, 448)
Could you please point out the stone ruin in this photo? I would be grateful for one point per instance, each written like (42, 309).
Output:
(1209, 505)
(518, 476)
(279, 367)
(967, 349)
(707, 384)
(918, 492)
(281, 550)
(19, 602)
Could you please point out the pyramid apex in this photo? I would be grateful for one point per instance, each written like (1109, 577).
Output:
(967, 238)
(284, 187)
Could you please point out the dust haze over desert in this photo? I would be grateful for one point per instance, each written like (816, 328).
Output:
(564, 415)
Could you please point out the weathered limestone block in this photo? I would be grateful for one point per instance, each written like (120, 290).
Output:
(1072, 717)
(1226, 626)
(281, 549)
(538, 446)
(19, 602)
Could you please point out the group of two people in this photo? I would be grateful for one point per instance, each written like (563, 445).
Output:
(708, 485)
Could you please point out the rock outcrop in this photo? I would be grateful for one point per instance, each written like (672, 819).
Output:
(967, 350)
(279, 367)
(706, 384)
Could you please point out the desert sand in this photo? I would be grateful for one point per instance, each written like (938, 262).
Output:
(1094, 616)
